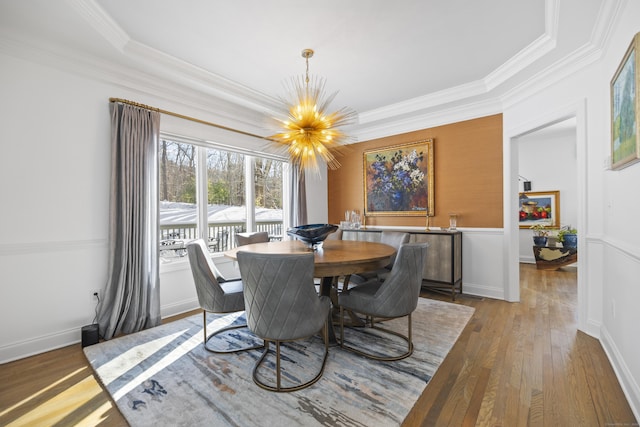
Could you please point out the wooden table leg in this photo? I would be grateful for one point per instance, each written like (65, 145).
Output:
(326, 286)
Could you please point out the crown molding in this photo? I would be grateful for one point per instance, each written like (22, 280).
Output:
(198, 78)
(425, 120)
(102, 22)
(132, 79)
(527, 56)
(155, 74)
(574, 62)
(534, 51)
(168, 65)
(608, 16)
(435, 99)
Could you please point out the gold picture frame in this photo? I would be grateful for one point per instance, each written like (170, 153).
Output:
(398, 180)
(625, 109)
(539, 207)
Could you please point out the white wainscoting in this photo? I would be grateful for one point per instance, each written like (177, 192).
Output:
(482, 262)
(620, 301)
(47, 287)
(47, 293)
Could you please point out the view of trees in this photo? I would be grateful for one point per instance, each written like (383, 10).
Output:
(225, 176)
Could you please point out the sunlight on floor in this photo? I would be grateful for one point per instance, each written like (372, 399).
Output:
(60, 406)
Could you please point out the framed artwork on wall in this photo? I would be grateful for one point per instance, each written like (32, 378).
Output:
(539, 207)
(398, 180)
(625, 109)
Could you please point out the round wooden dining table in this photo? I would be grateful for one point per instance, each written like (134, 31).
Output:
(333, 259)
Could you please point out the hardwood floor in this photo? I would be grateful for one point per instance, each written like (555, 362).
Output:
(525, 364)
(514, 364)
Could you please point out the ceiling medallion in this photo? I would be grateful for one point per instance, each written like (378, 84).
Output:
(309, 131)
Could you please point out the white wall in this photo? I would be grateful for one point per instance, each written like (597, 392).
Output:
(54, 254)
(317, 197)
(54, 171)
(608, 230)
(548, 159)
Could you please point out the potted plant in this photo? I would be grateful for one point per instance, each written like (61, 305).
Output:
(540, 234)
(568, 236)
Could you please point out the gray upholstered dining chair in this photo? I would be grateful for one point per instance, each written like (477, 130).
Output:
(396, 297)
(249, 238)
(282, 305)
(215, 294)
(391, 238)
(336, 235)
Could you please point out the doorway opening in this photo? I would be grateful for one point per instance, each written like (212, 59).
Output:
(575, 116)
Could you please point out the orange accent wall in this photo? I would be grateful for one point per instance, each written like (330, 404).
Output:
(468, 175)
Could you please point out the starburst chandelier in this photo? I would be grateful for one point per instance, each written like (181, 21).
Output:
(307, 129)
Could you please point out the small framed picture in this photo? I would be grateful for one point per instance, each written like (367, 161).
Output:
(539, 207)
(625, 109)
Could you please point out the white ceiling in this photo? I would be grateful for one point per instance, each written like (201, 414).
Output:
(383, 57)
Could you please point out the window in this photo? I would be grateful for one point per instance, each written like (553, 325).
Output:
(204, 192)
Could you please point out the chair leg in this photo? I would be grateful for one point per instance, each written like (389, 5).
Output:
(204, 322)
(345, 283)
(220, 331)
(278, 382)
(407, 339)
(341, 326)
(410, 348)
(278, 387)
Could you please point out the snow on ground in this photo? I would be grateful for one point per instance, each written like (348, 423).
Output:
(186, 213)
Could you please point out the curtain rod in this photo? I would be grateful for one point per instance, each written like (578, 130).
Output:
(181, 116)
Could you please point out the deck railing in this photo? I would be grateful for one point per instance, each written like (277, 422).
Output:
(221, 235)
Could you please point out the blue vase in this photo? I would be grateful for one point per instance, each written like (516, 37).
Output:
(570, 241)
(540, 240)
(397, 199)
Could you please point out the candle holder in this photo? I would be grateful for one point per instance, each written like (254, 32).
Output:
(426, 228)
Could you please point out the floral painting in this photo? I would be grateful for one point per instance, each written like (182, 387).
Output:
(399, 180)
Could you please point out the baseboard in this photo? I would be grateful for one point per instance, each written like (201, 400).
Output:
(482, 291)
(178, 308)
(41, 344)
(593, 328)
(44, 343)
(629, 386)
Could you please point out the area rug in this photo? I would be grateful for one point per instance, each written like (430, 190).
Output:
(163, 376)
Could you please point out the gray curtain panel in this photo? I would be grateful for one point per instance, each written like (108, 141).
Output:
(298, 213)
(132, 294)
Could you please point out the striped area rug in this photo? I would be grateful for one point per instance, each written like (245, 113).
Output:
(163, 376)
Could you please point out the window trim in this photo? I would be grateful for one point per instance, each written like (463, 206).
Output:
(201, 181)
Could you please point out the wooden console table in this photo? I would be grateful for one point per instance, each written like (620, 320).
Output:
(443, 266)
(551, 258)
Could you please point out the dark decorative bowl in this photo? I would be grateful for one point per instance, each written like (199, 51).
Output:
(312, 234)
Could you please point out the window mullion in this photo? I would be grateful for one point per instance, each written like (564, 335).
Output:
(202, 194)
(250, 192)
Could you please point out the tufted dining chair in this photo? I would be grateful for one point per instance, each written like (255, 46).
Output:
(336, 235)
(215, 294)
(282, 305)
(249, 238)
(391, 238)
(396, 297)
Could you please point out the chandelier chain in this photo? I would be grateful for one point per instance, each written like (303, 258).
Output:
(307, 77)
(306, 54)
